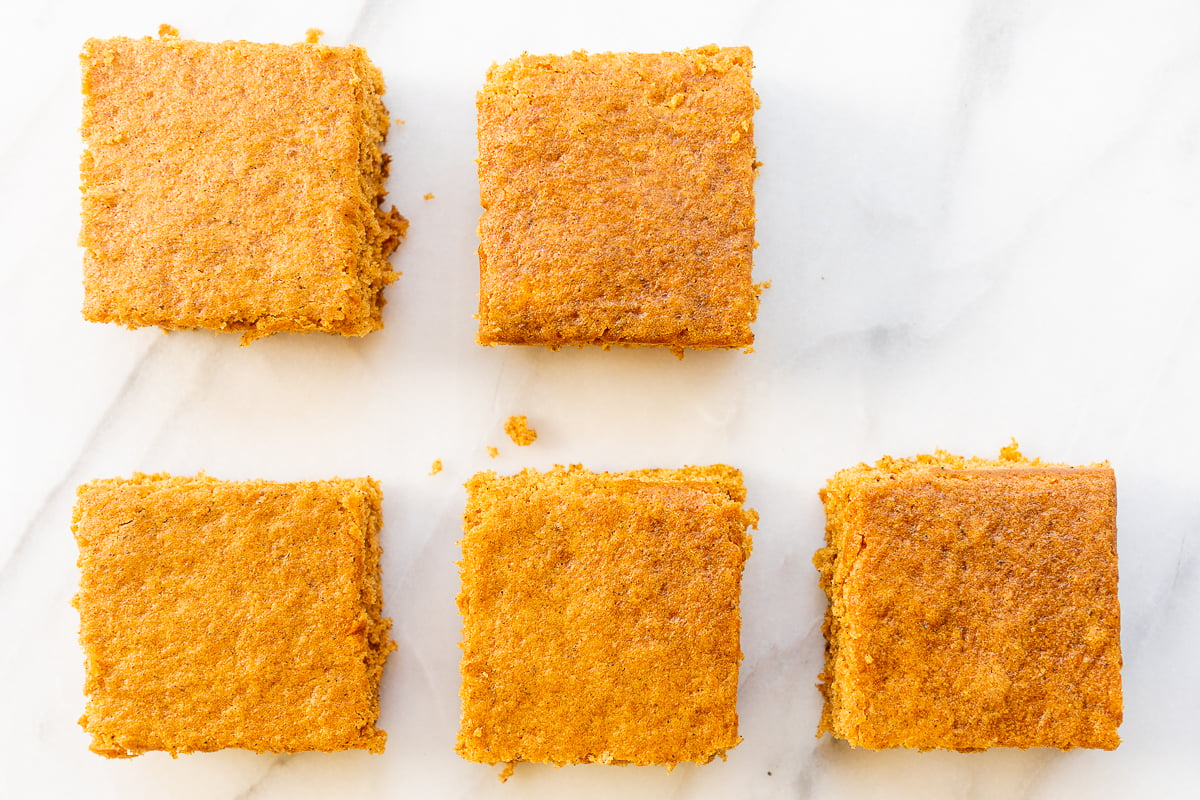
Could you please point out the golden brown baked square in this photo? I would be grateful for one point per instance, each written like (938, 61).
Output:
(234, 186)
(618, 195)
(973, 604)
(600, 615)
(216, 614)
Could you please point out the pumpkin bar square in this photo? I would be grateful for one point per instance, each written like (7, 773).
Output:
(234, 186)
(601, 615)
(220, 614)
(618, 196)
(972, 604)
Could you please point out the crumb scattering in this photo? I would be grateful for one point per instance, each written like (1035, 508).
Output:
(436, 468)
(518, 430)
(493, 451)
(429, 196)
(313, 35)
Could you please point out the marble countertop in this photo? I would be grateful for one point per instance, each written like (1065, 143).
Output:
(979, 221)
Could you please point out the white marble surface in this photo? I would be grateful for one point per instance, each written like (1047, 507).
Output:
(980, 221)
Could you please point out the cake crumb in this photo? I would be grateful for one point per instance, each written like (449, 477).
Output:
(1011, 452)
(437, 467)
(519, 431)
(493, 451)
(429, 195)
(313, 35)
(166, 31)
(506, 773)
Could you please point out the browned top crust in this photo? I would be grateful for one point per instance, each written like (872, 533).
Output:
(973, 604)
(600, 615)
(234, 186)
(216, 614)
(618, 195)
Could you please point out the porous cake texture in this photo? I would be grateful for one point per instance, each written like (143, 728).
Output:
(234, 186)
(217, 614)
(972, 604)
(618, 195)
(600, 615)
(517, 428)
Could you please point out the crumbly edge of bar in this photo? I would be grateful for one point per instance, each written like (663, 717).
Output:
(722, 477)
(835, 561)
(827, 560)
(102, 744)
(378, 641)
(709, 58)
(378, 634)
(380, 231)
(490, 335)
(723, 481)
